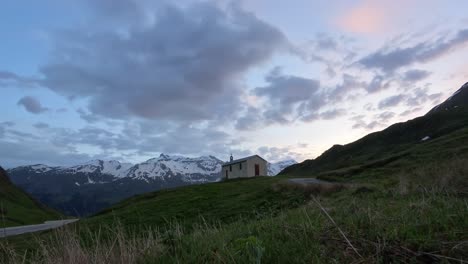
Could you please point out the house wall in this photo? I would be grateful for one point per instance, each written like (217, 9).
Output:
(251, 166)
(236, 172)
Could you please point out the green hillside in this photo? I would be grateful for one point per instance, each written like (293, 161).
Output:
(216, 202)
(394, 142)
(18, 208)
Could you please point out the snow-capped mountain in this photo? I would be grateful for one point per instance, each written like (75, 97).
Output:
(112, 167)
(194, 170)
(275, 168)
(89, 187)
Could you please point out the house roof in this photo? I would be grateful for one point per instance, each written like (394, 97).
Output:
(241, 160)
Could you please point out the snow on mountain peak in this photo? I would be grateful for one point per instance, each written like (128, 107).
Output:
(170, 165)
(41, 168)
(277, 167)
(111, 167)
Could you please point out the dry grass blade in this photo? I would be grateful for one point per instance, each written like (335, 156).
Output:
(334, 223)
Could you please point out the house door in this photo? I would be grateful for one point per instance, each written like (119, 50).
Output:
(257, 170)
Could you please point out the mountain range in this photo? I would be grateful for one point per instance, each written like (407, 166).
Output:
(87, 188)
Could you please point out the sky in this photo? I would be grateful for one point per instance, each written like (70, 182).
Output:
(131, 79)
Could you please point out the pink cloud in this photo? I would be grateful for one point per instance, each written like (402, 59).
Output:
(372, 16)
(367, 17)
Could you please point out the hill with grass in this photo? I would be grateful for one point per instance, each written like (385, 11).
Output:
(394, 143)
(18, 208)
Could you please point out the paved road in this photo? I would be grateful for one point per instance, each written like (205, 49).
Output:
(306, 181)
(18, 230)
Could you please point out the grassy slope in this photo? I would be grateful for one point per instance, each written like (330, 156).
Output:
(386, 144)
(215, 202)
(18, 208)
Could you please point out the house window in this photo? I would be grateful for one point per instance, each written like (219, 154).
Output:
(230, 167)
(240, 166)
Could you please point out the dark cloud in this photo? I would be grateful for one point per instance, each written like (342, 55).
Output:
(392, 101)
(289, 97)
(288, 90)
(410, 111)
(416, 97)
(273, 154)
(41, 125)
(32, 105)
(415, 75)
(388, 60)
(359, 122)
(350, 83)
(421, 96)
(250, 120)
(385, 116)
(33, 152)
(377, 84)
(158, 71)
(325, 42)
(332, 114)
(88, 117)
(8, 78)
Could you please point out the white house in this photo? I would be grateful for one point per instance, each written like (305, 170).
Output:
(244, 168)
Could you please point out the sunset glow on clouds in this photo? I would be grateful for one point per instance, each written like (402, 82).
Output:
(129, 79)
(369, 16)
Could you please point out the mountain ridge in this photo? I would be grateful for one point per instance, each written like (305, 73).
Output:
(88, 187)
(449, 116)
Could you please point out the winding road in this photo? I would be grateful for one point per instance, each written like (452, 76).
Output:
(18, 230)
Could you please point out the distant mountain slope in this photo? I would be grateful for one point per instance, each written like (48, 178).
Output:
(275, 168)
(441, 120)
(90, 187)
(18, 208)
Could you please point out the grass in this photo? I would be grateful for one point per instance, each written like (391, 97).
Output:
(408, 221)
(215, 202)
(18, 208)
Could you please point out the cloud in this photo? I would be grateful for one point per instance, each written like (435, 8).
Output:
(359, 122)
(275, 154)
(33, 152)
(88, 117)
(41, 125)
(288, 98)
(410, 111)
(392, 101)
(420, 96)
(385, 116)
(415, 75)
(390, 59)
(32, 105)
(287, 91)
(417, 97)
(160, 72)
(8, 78)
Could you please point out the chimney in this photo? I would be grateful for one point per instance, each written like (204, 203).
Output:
(231, 158)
